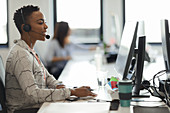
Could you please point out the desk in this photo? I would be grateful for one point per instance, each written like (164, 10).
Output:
(51, 108)
(79, 72)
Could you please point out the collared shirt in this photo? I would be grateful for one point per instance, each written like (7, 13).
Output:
(25, 84)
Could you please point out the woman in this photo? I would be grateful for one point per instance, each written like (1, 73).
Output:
(27, 83)
(60, 49)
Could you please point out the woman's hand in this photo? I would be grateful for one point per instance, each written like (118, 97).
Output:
(67, 58)
(82, 92)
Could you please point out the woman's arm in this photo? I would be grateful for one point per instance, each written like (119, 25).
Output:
(55, 59)
(28, 81)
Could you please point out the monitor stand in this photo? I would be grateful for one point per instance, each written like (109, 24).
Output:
(140, 55)
(142, 94)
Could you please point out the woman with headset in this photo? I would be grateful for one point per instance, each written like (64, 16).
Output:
(27, 83)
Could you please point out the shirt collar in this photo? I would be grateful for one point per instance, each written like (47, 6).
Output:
(22, 44)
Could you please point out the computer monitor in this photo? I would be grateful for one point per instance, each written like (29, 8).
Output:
(126, 49)
(132, 54)
(165, 43)
(140, 57)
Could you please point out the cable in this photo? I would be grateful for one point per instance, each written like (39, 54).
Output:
(32, 53)
(154, 85)
(157, 74)
(166, 98)
(166, 94)
(146, 86)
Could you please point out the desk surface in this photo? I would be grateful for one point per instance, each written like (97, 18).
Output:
(81, 72)
(53, 108)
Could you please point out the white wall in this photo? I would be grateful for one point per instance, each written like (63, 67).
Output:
(46, 7)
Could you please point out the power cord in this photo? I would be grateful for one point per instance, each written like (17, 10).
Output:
(153, 89)
(166, 98)
(154, 85)
(166, 94)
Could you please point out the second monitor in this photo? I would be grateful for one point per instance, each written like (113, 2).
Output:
(129, 48)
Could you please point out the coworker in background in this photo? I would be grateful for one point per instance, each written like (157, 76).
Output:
(27, 83)
(60, 49)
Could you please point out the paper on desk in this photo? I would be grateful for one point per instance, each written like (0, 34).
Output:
(75, 107)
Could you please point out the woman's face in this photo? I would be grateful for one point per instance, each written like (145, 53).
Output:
(66, 40)
(38, 26)
(69, 33)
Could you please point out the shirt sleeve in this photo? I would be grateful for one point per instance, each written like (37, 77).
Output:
(78, 47)
(23, 72)
(51, 51)
(51, 81)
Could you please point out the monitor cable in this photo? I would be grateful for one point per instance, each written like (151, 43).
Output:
(164, 98)
(164, 83)
(153, 89)
(166, 94)
(162, 72)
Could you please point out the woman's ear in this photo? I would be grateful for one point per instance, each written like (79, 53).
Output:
(22, 26)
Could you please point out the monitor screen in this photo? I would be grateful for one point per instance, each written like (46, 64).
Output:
(131, 56)
(165, 43)
(126, 49)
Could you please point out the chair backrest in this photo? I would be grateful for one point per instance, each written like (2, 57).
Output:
(2, 87)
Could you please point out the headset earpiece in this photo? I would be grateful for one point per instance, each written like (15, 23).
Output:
(27, 28)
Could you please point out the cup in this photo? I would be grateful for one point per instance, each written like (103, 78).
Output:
(101, 77)
(125, 92)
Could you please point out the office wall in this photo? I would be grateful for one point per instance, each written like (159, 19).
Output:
(46, 6)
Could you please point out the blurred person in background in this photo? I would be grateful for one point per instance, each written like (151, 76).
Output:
(60, 49)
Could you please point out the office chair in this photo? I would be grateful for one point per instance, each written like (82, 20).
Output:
(2, 87)
(3, 108)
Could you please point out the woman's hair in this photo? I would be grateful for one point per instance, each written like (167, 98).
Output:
(21, 17)
(61, 32)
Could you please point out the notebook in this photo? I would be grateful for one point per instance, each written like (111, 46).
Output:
(75, 107)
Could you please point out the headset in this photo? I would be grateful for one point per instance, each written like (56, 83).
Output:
(26, 27)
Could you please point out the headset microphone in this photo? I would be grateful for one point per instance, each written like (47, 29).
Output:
(47, 36)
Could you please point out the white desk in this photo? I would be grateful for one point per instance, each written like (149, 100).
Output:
(81, 72)
(53, 108)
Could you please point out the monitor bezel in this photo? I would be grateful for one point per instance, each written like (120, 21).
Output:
(131, 51)
(165, 36)
(140, 57)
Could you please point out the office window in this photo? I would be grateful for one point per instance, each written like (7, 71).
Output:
(151, 12)
(3, 24)
(84, 18)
